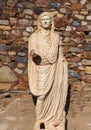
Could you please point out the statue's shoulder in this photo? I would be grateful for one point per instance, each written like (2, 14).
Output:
(33, 34)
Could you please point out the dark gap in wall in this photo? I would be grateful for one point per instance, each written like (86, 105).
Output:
(8, 96)
(86, 32)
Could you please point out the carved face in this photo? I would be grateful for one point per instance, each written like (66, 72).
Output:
(45, 22)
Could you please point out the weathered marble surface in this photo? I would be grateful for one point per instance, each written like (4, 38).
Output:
(18, 19)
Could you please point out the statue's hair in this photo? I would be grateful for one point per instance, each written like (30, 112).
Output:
(46, 14)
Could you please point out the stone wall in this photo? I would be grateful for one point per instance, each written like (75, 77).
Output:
(18, 19)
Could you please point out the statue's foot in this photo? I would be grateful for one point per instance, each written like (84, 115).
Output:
(50, 127)
(60, 128)
(36, 126)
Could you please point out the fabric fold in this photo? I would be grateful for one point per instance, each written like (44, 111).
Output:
(48, 82)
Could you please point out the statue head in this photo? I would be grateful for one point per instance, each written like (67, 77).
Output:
(46, 21)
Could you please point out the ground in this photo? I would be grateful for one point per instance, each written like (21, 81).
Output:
(17, 112)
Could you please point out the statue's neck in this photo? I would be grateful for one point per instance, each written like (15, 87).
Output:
(45, 31)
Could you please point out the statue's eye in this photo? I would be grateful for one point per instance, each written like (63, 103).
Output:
(48, 19)
(42, 19)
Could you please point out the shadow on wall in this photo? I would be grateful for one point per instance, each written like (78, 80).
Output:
(67, 104)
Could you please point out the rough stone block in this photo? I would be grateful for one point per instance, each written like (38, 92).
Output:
(6, 75)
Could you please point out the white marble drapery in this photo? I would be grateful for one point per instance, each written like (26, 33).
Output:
(48, 81)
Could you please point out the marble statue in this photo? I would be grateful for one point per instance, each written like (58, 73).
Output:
(48, 75)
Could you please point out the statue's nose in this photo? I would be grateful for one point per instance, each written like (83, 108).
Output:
(45, 22)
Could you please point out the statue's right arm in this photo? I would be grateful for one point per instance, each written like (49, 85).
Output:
(31, 47)
(31, 51)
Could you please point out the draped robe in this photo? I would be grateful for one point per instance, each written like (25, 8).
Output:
(48, 80)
